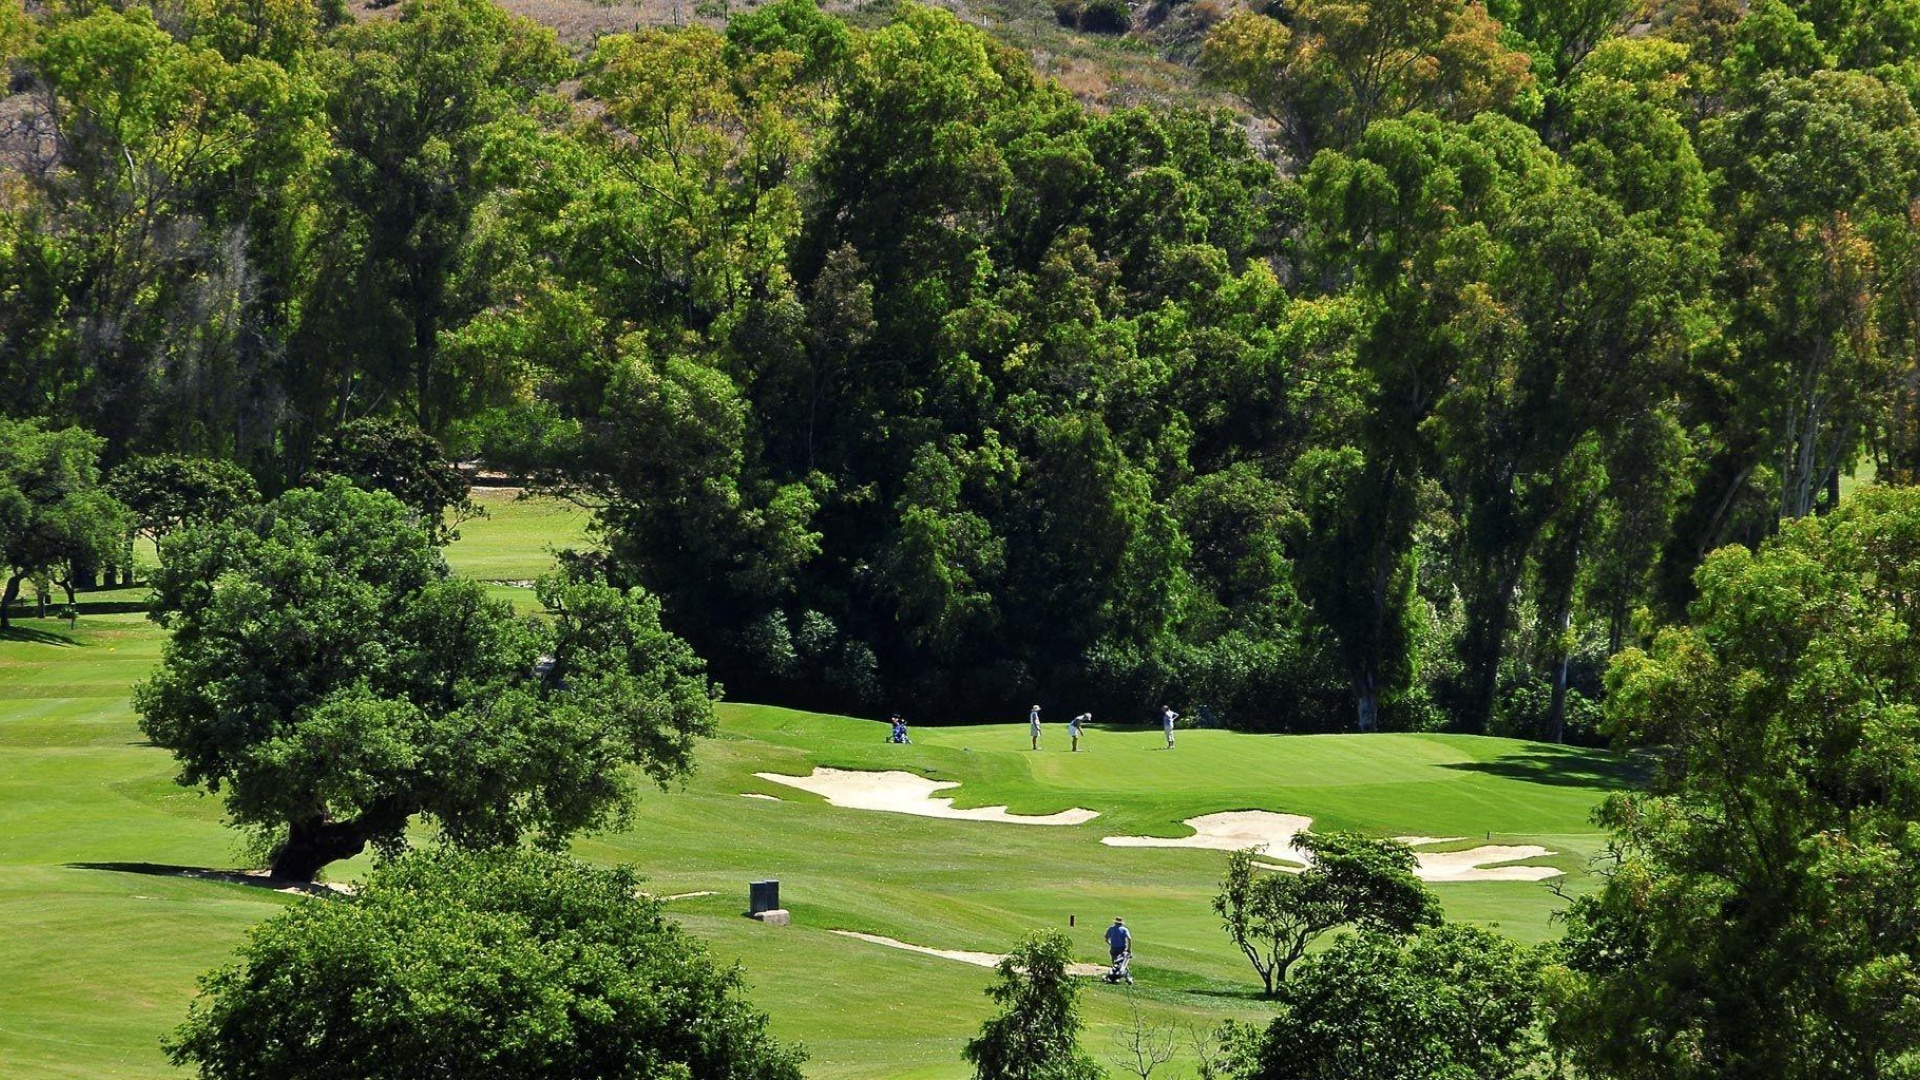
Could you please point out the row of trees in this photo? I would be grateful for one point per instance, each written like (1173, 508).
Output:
(900, 377)
(65, 523)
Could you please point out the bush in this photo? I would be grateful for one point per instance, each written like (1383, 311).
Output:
(1454, 1001)
(504, 963)
(1106, 17)
(1036, 1036)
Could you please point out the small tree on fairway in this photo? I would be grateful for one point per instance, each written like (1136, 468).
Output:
(1273, 916)
(330, 678)
(166, 491)
(1036, 1035)
(395, 457)
(53, 510)
(1140, 1046)
(507, 964)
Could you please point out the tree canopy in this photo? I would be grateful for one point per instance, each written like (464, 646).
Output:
(902, 379)
(1758, 918)
(1035, 1036)
(482, 964)
(1273, 915)
(329, 678)
(56, 517)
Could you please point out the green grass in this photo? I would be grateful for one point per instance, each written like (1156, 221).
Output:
(516, 539)
(104, 939)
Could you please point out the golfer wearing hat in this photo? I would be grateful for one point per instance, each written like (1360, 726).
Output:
(1119, 939)
(1033, 726)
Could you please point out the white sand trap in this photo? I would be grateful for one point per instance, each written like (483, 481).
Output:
(905, 793)
(1235, 830)
(1272, 836)
(757, 795)
(977, 959)
(1473, 864)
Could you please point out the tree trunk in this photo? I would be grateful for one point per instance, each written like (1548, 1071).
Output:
(1488, 616)
(1557, 711)
(6, 601)
(312, 844)
(1366, 700)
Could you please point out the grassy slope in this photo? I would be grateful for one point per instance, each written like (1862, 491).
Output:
(102, 950)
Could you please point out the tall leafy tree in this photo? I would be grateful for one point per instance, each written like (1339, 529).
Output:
(1758, 922)
(1274, 915)
(415, 104)
(1336, 66)
(167, 491)
(395, 457)
(330, 679)
(135, 299)
(1451, 1001)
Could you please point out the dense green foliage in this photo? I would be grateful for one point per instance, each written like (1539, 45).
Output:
(405, 462)
(904, 380)
(1036, 1033)
(1760, 921)
(329, 678)
(1449, 1003)
(57, 520)
(501, 964)
(167, 491)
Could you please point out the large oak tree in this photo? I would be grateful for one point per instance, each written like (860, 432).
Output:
(330, 678)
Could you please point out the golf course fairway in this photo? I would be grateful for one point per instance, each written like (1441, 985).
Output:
(106, 928)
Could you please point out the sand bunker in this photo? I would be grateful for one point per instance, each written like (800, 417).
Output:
(977, 959)
(757, 795)
(905, 793)
(1236, 830)
(1473, 864)
(1272, 835)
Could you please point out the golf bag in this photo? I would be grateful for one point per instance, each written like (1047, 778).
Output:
(1122, 970)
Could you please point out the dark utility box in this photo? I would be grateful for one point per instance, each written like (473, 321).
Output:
(763, 896)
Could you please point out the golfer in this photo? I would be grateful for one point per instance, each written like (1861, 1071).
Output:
(1033, 725)
(1167, 717)
(1119, 939)
(1073, 728)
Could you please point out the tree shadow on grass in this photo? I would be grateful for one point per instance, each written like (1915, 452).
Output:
(1250, 994)
(257, 880)
(110, 607)
(1564, 767)
(34, 636)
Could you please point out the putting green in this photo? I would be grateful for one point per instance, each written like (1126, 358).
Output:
(105, 938)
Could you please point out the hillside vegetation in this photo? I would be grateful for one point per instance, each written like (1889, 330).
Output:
(905, 380)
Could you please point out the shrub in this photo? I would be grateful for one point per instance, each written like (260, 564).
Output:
(1106, 17)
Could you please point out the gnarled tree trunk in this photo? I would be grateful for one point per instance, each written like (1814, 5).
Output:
(313, 843)
(6, 601)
